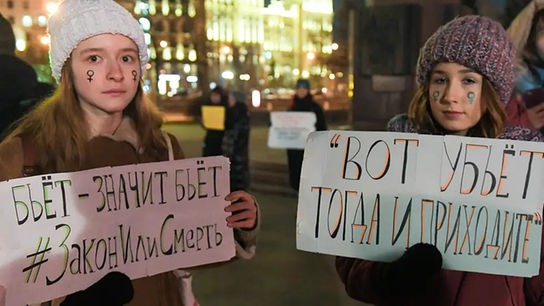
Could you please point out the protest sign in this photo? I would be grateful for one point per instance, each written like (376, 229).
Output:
(62, 232)
(290, 129)
(371, 195)
(213, 117)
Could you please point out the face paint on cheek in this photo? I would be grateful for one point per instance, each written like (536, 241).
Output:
(471, 96)
(134, 75)
(90, 74)
(436, 94)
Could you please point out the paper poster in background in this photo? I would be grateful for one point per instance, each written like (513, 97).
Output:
(62, 232)
(213, 117)
(290, 129)
(371, 195)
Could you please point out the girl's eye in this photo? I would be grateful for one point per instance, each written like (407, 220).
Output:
(126, 58)
(93, 58)
(469, 81)
(439, 80)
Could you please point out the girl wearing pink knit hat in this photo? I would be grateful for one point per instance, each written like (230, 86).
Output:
(465, 75)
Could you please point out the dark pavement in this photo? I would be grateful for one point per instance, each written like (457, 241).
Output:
(279, 274)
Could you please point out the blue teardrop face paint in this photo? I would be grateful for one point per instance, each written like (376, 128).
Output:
(471, 96)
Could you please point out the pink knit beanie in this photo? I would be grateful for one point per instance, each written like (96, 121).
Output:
(476, 42)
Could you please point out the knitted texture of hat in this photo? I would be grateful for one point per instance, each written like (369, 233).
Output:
(7, 39)
(77, 20)
(476, 42)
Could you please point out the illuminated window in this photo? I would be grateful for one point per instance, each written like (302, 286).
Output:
(42, 21)
(146, 25)
(165, 7)
(27, 21)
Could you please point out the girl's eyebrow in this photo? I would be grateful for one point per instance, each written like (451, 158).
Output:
(91, 50)
(94, 50)
(463, 70)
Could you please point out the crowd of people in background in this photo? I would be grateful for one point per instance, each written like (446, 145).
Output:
(232, 140)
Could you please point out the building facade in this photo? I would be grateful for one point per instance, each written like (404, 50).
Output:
(195, 45)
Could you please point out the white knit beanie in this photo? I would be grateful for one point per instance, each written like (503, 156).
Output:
(77, 20)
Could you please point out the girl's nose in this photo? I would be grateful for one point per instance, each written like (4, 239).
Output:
(115, 72)
(453, 93)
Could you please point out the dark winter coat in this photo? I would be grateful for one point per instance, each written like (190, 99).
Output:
(236, 145)
(19, 90)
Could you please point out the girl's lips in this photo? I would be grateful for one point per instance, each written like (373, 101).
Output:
(114, 92)
(452, 114)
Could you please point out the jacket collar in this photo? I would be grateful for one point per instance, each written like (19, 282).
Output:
(125, 132)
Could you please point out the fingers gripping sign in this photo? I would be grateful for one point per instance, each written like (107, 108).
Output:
(243, 209)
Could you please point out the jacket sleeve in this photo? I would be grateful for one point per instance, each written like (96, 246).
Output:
(362, 278)
(11, 158)
(176, 147)
(534, 286)
(246, 240)
(321, 123)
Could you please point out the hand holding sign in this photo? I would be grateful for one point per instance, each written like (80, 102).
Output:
(414, 269)
(243, 209)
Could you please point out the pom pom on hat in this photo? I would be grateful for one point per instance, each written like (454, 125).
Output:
(77, 20)
(476, 42)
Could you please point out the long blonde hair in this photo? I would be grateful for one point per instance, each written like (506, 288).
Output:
(490, 125)
(57, 126)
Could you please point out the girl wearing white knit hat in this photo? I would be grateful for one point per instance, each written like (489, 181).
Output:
(99, 117)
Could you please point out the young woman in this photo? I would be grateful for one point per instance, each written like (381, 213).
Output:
(526, 107)
(98, 116)
(235, 144)
(465, 76)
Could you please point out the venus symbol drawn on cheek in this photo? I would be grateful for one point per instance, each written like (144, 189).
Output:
(134, 74)
(436, 94)
(471, 96)
(90, 74)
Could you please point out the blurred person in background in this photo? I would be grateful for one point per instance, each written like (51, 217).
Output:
(303, 101)
(213, 141)
(236, 140)
(525, 107)
(20, 89)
